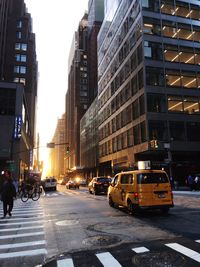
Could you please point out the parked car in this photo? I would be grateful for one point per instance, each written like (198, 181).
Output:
(72, 184)
(50, 183)
(141, 189)
(99, 185)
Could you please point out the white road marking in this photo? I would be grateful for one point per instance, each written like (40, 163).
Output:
(23, 253)
(26, 212)
(185, 251)
(21, 228)
(198, 241)
(21, 218)
(140, 249)
(26, 244)
(108, 260)
(17, 223)
(65, 263)
(21, 235)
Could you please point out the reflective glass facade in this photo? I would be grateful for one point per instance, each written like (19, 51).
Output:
(149, 83)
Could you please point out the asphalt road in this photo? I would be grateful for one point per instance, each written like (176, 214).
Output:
(70, 228)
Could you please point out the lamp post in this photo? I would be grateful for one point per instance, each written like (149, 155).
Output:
(167, 146)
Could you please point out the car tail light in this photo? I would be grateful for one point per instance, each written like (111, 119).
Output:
(136, 195)
(98, 183)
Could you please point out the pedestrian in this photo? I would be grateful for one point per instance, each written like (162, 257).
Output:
(8, 193)
(172, 182)
(196, 183)
(16, 184)
(190, 181)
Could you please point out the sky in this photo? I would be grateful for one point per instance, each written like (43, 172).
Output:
(54, 23)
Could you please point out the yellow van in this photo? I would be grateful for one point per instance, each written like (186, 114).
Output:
(141, 189)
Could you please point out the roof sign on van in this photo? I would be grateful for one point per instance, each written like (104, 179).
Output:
(144, 165)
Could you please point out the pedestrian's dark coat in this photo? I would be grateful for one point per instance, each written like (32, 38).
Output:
(8, 192)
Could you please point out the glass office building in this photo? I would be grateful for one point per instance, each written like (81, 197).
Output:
(149, 85)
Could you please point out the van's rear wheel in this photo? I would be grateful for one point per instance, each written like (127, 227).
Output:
(130, 207)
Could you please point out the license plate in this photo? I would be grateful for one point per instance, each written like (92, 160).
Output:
(161, 195)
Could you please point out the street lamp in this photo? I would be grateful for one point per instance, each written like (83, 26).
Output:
(167, 146)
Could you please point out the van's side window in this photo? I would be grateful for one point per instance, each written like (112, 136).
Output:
(152, 178)
(126, 179)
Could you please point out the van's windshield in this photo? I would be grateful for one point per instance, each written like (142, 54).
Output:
(152, 178)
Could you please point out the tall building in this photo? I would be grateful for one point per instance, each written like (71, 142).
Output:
(58, 153)
(148, 85)
(18, 69)
(89, 123)
(77, 99)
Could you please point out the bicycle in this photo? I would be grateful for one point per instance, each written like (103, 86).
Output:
(33, 193)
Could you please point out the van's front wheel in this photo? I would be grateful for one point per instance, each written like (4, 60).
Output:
(110, 201)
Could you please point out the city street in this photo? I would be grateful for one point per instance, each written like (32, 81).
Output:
(75, 228)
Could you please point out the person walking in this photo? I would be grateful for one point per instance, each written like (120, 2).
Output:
(190, 181)
(8, 193)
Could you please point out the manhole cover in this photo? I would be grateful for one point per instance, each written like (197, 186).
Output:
(101, 240)
(67, 222)
(156, 259)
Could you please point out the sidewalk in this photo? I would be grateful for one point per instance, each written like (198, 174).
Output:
(185, 190)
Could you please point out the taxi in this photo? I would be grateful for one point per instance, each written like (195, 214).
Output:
(141, 189)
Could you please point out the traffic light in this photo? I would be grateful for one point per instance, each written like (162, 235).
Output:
(154, 143)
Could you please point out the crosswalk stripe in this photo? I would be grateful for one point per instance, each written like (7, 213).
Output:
(17, 218)
(185, 251)
(21, 228)
(25, 244)
(65, 263)
(23, 253)
(198, 241)
(140, 249)
(17, 223)
(26, 212)
(108, 260)
(22, 235)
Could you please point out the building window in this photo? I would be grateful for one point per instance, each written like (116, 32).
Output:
(19, 24)
(130, 137)
(20, 69)
(177, 130)
(18, 35)
(158, 130)
(20, 58)
(193, 131)
(24, 47)
(191, 104)
(21, 46)
(83, 93)
(175, 103)
(156, 103)
(136, 134)
(7, 101)
(154, 76)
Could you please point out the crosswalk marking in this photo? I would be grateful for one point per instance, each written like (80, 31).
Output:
(198, 241)
(108, 260)
(17, 227)
(17, 223)
(21, 228)
(25, 244)
(17, 218)
(140, 249)
(22, 235)
(185, 251)
(65, 263)
(33, 252)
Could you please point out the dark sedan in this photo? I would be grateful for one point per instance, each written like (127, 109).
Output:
(99, 185)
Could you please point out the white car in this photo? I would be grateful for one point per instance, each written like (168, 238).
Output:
(50, 183)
